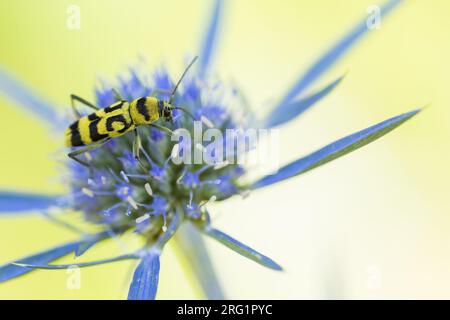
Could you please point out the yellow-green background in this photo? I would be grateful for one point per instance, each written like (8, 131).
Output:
(383, 211)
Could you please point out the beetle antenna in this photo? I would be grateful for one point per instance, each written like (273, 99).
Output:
(172, 95)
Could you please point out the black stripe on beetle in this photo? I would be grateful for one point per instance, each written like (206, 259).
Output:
(117, 118)
(113, 107)
(142, 109)
(93, 116)
(93, 131)
(75, 137)
(160, 107)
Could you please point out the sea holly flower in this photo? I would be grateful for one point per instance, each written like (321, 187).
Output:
(153, 197)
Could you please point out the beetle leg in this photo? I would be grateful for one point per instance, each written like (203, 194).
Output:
(117, 94)
(163, 129)
(74, 154)
(73, 98)
(137, 145)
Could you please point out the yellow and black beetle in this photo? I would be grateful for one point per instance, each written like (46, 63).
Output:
(93, 130)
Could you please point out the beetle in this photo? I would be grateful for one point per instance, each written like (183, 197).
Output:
(92, 131)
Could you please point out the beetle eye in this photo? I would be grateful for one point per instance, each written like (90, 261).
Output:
(167, 112)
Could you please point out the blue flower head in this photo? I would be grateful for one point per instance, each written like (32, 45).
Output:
(154, 196)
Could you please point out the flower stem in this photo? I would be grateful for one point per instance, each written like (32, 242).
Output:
(193, 256)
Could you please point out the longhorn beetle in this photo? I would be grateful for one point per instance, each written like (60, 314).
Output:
(93, 130)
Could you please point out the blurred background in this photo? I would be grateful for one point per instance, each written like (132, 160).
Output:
(374, 224)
